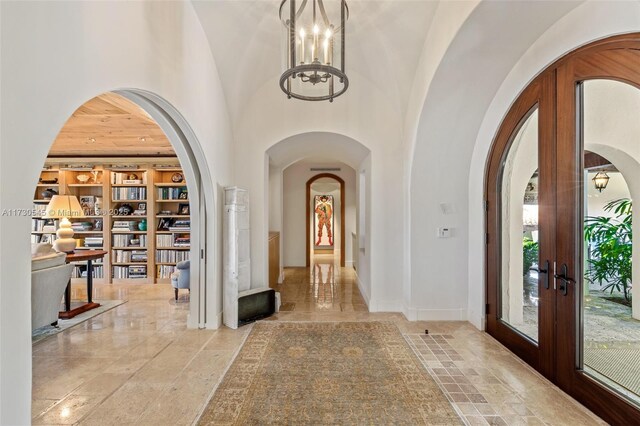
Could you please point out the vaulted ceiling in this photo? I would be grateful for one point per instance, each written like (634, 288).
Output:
(384, 41)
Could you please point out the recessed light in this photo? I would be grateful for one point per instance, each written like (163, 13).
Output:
(92, 140)
(142, 139)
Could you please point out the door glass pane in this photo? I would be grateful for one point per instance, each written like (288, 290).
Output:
(519, 234)
(610, 312)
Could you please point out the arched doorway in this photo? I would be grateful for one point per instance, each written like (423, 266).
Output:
(310, 223)
(546, 237)
(173, 127)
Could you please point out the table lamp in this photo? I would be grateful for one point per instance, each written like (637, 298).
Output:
(63, 207)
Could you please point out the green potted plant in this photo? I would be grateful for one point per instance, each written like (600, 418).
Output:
(610, 239)
(529, 253)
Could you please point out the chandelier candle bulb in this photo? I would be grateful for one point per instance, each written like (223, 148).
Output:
(316, 32)
(326, 51)
(302, 41)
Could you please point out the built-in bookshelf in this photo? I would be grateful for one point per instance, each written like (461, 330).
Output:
(137, 210)
(172, 221)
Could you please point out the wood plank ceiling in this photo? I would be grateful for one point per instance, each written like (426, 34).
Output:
(109, 126)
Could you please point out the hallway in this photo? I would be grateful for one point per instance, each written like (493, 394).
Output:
(323, 288)
(138, 364)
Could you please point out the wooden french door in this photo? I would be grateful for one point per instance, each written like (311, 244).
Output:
(539, 302)
(523, 156)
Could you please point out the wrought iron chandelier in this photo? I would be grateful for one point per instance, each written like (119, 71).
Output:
(315, 49)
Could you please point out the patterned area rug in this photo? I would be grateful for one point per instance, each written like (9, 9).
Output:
(327, 373)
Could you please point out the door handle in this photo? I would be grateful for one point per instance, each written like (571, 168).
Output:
(564, 279)
(544, 271)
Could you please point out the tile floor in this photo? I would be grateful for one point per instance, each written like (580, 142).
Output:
(138, 364)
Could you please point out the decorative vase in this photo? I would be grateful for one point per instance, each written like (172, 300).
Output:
(125, 209)
(48, 193)
(142, 225)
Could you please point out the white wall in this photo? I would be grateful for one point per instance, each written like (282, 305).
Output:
(295, 179)
(485, 48)
(56, 56)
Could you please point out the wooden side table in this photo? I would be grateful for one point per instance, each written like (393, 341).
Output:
(79, 256)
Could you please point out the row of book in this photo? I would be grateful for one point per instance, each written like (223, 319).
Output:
(171, 256)
(129, 240)
(164, 271)
(93, 242)
(126, 256)
(124, 225)
(43, 238)
(172, 193)
(182, 240)
(132, 178)
(39, 209)
(173, 240)
(80, 271)
(180, 225)
(131, 271)
(81, 226)
(129, 193)
(44, 225)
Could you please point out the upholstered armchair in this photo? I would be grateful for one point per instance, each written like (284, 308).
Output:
(181, 277)
(50, 275)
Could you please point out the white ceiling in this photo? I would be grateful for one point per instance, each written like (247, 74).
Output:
(384, 41)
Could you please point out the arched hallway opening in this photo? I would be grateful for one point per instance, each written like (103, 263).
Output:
(325, 217)
(143, 322)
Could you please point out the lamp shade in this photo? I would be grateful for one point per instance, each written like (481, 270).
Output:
(62, 206)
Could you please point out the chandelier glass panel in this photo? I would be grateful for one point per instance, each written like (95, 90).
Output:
(314, 49)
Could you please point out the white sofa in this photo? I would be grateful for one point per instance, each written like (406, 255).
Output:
(49, 278)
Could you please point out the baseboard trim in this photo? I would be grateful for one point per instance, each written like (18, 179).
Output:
(386, 306)
(438, 314)
(364, 294)
(348, 263)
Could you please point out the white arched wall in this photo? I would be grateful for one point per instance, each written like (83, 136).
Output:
(52, 66)
(586, 22)
(485, 48)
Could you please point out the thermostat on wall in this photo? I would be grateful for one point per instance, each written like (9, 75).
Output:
(444, 232)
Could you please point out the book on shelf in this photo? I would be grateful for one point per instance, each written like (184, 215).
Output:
(39, 210)
(171, 193)
(180, 226)
(125, 225)
(126, 256)
(80, 271)
(44, 225)
(81, 226)
(129, 240)
(164, 271)
(163, 240)
(131, 271)
(171, 256)
(182, 241)
(135, 193)
(137, 271)
(43, 238)
(134, 177)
